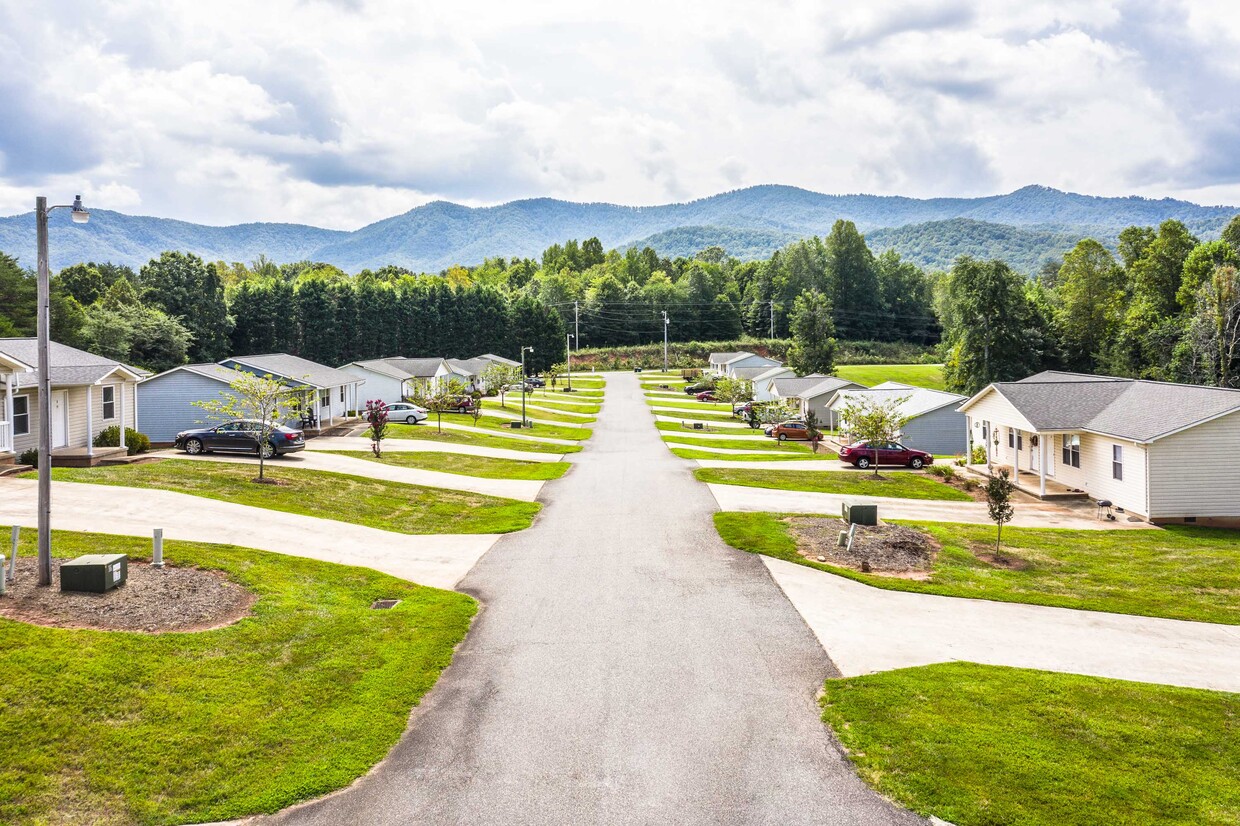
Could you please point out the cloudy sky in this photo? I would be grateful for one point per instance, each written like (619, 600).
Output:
(340, 113)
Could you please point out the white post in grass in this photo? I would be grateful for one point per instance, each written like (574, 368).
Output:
(157, 548)
(17, 533)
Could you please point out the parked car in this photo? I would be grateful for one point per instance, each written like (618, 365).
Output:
(240, 436)
(741, 408)
(406, 412)
(535, 381)
(698, 387)
(862, 454)
(705, 396)
(787, 430)
(463, 404)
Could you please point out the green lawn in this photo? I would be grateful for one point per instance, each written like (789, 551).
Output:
(901, 484)
(553, 402)
(756, 435)
(550, 431)
(427, 432)
(700, 416)
(587, 394)
(744, 443)
(300, 699)
(390, 506)
(742, 457)
(919, 375)
(1179, 572)
(688, 403)
(982, 745)
(514, 408)
(466, 465)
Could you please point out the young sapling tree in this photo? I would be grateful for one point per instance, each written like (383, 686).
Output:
(264, 402)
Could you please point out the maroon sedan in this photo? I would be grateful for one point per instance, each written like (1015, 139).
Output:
(705, 396)
(864, 455)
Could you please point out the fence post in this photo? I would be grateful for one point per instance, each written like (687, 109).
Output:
(17, 532)
(157, 552)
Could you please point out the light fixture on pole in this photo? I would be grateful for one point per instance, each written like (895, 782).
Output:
(666, 322)
(44, 326)
(568, 358)
(524, 421)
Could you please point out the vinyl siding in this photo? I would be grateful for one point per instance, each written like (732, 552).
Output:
(752, 361)
(1094, 474)
(377, 386)
(165, 403)
(1195, 473)
(997, 410)
(75, 399)
(941, 431)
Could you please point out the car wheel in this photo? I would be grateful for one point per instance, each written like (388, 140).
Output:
(917, 463)
(411, 420)
(266, 450)
(863, 462)
(783, 437)
(193, 446)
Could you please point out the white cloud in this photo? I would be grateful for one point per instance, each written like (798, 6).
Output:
(340, 113)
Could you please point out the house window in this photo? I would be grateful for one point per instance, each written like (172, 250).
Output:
(342, 392)
(1117, 462)
(1015, 439)
(109, 402)
(325, 398)
(21, 415)
(1072, 451)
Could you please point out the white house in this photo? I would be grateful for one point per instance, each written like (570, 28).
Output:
(328, 393)
(393, 379)
(725, 364)
(811, 394)
(1164, 452)
(89, 393)
(933, 423)
(762, 382)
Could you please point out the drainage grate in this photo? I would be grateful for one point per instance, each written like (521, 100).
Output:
(380, 604)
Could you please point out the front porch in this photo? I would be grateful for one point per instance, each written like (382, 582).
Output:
(87, 456)
(1030, 482)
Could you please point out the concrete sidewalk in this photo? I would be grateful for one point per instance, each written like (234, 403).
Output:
(524, 490)
(726, 424)
(731, 451)
(790, 464)
(428, 446)
(869, 629)
(740, 498)
(438, 560)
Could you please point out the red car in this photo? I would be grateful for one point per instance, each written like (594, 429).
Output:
(705, 396)
(787, 430)
(862, 455)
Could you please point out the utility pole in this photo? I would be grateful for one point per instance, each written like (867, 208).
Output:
(576, 324)
(524, 421)
(772, 303)
(665, 323)
(568, 358)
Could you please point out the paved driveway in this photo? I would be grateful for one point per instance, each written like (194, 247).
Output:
(628, 667)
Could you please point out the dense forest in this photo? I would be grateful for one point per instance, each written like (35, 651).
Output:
(1165, 305)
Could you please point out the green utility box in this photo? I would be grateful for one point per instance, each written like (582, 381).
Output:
(858, 514)
(94, 572)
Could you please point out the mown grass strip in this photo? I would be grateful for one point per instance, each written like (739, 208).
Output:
(900, 484)
(485, 467)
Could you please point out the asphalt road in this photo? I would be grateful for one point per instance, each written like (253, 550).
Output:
(627, 668)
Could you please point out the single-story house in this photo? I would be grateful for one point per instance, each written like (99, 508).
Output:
(395, 379)
(934, 422)
(494, 359)
(330, 393)
(762, 382)
(468, 371)
(1161, 451)
(167, 399)
(89, 393)
(725, 364)
(811, 394)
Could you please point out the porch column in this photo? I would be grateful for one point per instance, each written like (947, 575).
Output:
(135, 407)
(9, 438)
(90, 421)
(331, 414)
(1017, 441)
(1042, 467)
(122, 412)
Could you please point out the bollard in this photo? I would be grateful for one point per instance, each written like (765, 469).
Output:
(2, 577)
(17, 532)
(157, 552)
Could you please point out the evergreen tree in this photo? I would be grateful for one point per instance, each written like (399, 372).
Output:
(1091, 295)
(189, 290)
(813, 335)
(854, 279)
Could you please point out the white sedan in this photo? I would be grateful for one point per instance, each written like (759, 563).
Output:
(406, 412)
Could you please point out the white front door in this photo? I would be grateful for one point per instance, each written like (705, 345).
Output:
(60, 418)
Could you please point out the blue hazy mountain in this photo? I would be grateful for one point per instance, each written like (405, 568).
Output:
(749, 223)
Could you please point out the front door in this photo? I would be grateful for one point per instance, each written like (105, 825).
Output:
(60, 418)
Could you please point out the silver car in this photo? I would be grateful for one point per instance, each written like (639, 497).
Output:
(406, 412)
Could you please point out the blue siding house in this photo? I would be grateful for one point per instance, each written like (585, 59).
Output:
(165, 401)
(935, 424)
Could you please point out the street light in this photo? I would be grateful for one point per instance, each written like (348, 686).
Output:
(44, 324)
(524, 421)
(568, 358)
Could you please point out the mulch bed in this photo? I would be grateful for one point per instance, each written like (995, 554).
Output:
(890, 550)
(151, 600)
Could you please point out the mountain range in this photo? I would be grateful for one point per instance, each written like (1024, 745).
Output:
(1024, 227)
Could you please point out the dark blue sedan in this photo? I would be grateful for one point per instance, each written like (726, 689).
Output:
(240, 436)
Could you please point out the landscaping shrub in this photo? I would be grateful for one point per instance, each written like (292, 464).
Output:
(947, 472)
(29, 457)
(135, 441)
(979, 455)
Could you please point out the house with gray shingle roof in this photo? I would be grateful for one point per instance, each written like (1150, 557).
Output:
(1160, 451)
(88, 394)
(932, 418)
(394, 379)
(810, 394)
(328, 393)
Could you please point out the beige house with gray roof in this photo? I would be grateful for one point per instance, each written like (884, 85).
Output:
(1160, 451)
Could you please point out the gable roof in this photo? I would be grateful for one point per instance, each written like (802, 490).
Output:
(1133, 409)
(767, 373)
(420, 368)
(297, 369)
(498, 359)
(830, 384)
(750, 373)
(70, 366)
(918, 401)
(383, 367)
(724, 358)
(469, 367)
(210, 370)
(745, 355)
(789, 387)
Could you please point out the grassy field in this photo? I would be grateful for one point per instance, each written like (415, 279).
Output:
(424, 432)
(793, 449)
(919, 375)
(554, 402)
(389, 506)
(499, 425)
(514, 408)
(982, 745)
(586, 394)
(462, 464)
(743, 457)
(300, 699)
(755, 435)
(901, 484)
(1178, 572)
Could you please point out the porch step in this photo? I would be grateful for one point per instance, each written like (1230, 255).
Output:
(14, 469)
